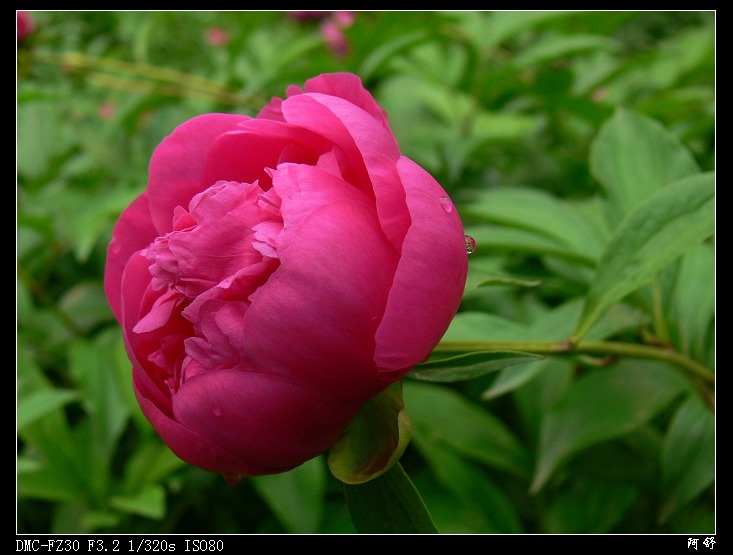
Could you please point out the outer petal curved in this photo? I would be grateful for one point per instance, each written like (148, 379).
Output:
(371, 149)
(349, 87)
(189, 445)
(430, 277)
(133, 231)
(178, 162)
(267, 422)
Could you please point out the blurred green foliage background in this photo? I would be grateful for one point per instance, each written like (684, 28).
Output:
(547, 128)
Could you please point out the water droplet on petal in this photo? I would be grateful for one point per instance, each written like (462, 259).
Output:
(217, 411)
(447, 204)
(470, 244)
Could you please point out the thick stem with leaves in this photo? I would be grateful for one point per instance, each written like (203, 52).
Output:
(702, 377)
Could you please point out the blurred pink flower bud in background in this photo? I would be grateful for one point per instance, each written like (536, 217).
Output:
(26, 25)
(216, 36)
(332, 27)
(107, 109)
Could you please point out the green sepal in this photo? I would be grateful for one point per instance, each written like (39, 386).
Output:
(374, 440)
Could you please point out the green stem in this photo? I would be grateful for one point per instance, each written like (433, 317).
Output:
(197, 86)
(583, 347)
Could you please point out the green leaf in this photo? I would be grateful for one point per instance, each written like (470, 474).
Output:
(374, 440)
(540, 213)
(51, 437)
(98, 434)
(86, 304)
(470, 365)
(589, 507)
(555, 46)
(149, 502)
(534, 396)
(26, 464)
(450, 514)
(633, 157)
(500, 126)
(498, 238)
(693, 307)
(472, 487)
(488, 29)
(552, 324)
(603, 405)
(617, 319)
(699, 519)
(547, 325)
(41, 119)
(506, 281)
(389, 504)
(481, 326)
(48, 483)
(296, 497)
(38, 404)
(657, 232)
(688, 456)
(509, 281)
(684, 54)
(94, 520)
(23, 302)
(102, 399)
(512, 379)
(444, 416)
(380, 55)
(151, 462)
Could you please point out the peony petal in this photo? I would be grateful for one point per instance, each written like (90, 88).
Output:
(189, 445)
(349, 87)
(243, 155)
(198, 258)
(159, 315)
(234, 288)
(267, 422)
(430, 276)
(271, 110)
(370, 148)
(138, 299)
(317, 314)
(132, 232)
(304, 189)
(178, 163)
(135, 283)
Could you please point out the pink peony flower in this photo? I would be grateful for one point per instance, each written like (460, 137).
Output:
(277, 273)
(26, 25)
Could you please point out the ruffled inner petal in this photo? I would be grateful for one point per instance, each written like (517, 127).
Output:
(197, 258)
